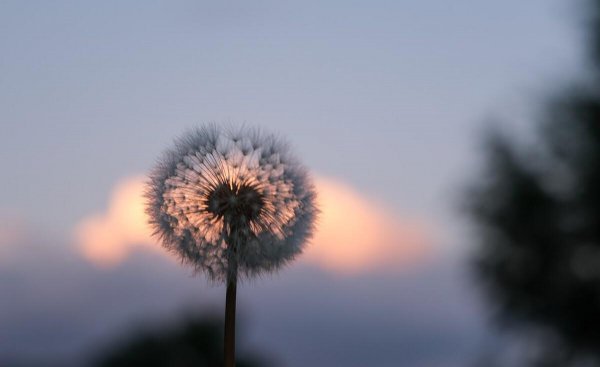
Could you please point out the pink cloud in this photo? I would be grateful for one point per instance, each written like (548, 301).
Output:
(354, 233)
(11, 232)
(108, 238)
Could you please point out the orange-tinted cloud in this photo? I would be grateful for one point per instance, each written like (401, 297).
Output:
(106, 239)
(354, 233)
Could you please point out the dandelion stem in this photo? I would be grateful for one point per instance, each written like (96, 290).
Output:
(230, 303)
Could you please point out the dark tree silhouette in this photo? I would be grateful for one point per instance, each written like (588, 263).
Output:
(198, 342)
(537, 211)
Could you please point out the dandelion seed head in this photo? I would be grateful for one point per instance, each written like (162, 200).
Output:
(231, 200)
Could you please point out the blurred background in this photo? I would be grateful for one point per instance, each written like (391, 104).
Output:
(455, 148)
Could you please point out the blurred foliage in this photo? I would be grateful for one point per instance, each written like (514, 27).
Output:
(198, 342)
(537, 210)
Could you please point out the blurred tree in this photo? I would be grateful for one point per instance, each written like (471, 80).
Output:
(196, 343)
(537, 210)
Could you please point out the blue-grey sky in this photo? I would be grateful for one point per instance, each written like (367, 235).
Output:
(386, 96)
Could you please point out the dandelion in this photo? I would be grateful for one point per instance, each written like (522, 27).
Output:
(232, 203)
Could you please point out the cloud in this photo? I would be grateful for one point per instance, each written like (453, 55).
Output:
(107, 238)
(11, 232)
(355, 233)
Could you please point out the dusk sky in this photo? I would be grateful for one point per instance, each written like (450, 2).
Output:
(384, 101)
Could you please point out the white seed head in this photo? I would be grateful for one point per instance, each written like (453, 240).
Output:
(231, 201)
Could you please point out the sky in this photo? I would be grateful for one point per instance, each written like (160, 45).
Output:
(384, 102)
